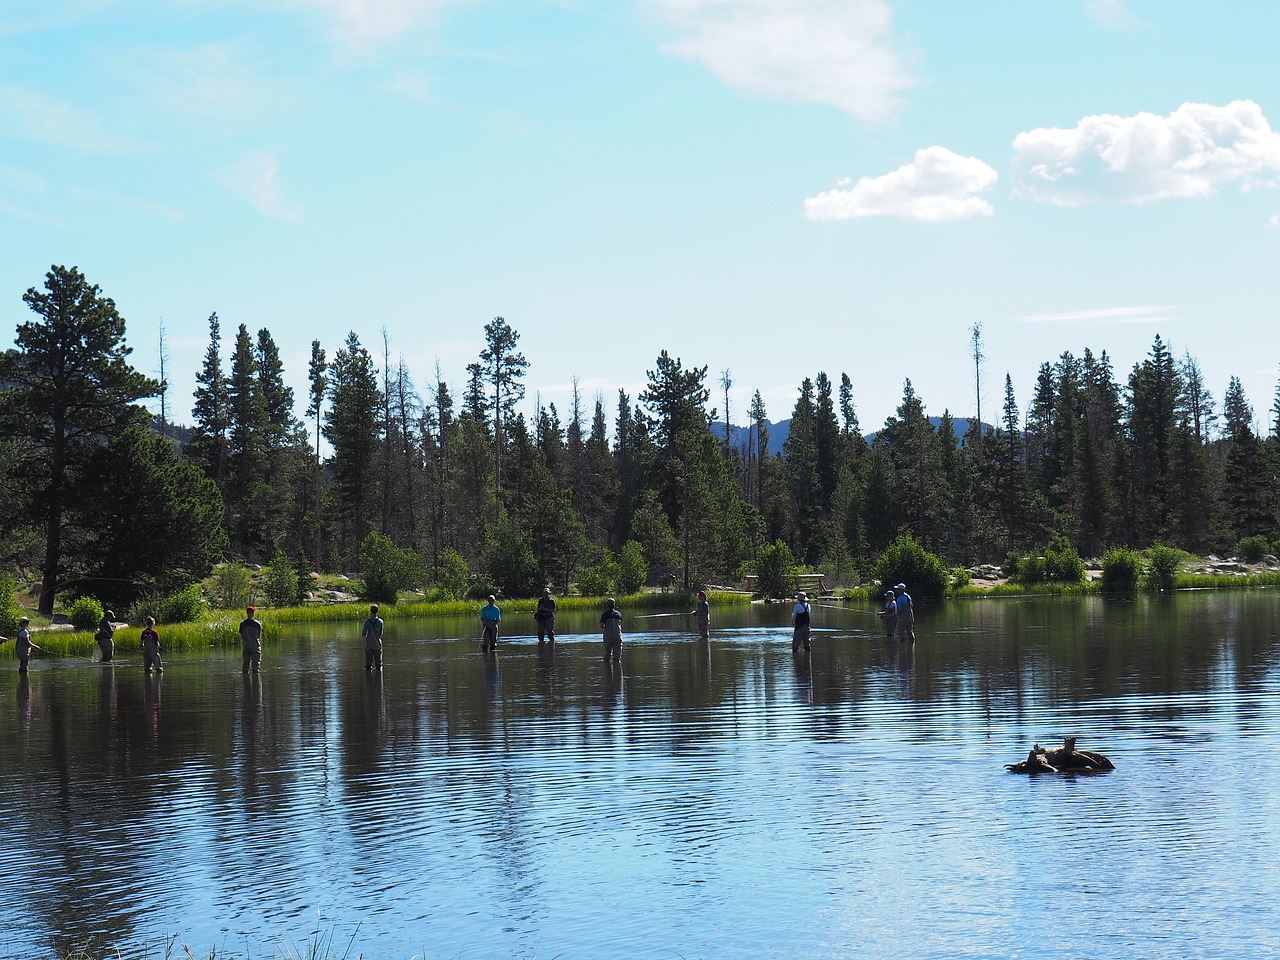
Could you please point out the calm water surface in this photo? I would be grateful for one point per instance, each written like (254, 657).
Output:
(704, 801)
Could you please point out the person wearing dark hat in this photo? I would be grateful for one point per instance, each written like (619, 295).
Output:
(906, 614)
(890, 613)
(545, 616)
(800, 618)
(250, 641)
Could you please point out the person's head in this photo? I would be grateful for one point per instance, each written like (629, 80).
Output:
(546, 591)
(492, 599)
(802, 596)
(23, 621)
(702, 594)
(900, 588)
(373, 609)
(109, 614)
(610, 603)
(889, 594)
(151, 621)
(250, 611)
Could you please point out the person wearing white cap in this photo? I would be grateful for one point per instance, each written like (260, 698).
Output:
(890, 614)
(906, 614)
(800, 623)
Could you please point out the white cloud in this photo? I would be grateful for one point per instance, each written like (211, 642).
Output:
(363, 22)
(256, 179)
(1138, 159)
(837, 52)
(1112, 14)
(937, 186)
(1275, 220)
(34, 117)
(1108, 315)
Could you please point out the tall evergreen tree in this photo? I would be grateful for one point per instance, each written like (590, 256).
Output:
(353, 429)
(68, 387)
(211, 410)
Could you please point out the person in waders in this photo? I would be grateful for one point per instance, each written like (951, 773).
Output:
(490, 617)
(545, 616)
(250, 641)
(611, 628)
(800, 617)
(150, 643)
(372, 633)
(106, 636)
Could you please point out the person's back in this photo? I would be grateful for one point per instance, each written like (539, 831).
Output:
(372, 633)
(250, 641)
(800, 620)
(611, 628)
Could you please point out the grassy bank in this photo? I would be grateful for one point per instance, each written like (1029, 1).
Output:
(219, 628)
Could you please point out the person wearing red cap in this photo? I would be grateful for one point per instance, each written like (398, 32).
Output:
(250, 641)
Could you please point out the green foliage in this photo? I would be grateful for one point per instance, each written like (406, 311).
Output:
(1251, 549)
(452, 576)
(231, 585)
(302, 569)
(388, 569)
(1060, 563)
(281, 581)
(959, 579)
(598, 581)
(86, 613)
(1163, 564)
(1121, 569)
(632, 569)
(513, 569)
(775, 570)
(9, 611)
(906, 561)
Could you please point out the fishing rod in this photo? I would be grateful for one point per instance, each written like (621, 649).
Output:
(654, 616)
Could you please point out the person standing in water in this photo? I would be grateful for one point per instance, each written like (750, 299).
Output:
(702, 615)
(250, 641)
(800, 622)
(106, 636)
(906, 614)
(22, 644)
(372, 633)
(890, 613)
(490, 617)
(611, 628)
(150, 643)
(545, 615)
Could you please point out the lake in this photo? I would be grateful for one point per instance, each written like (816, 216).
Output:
(705, 800)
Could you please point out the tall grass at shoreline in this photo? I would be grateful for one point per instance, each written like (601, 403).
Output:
(220, 628)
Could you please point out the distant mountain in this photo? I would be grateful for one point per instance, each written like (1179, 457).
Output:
(778, 432)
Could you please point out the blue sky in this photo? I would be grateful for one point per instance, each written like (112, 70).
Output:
(772, 187)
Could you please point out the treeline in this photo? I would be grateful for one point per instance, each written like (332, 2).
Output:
(100, 499)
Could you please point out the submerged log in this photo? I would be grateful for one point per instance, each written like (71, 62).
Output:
(1067, 757)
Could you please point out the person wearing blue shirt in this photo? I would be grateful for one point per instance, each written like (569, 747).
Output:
(906, 614)
(490, 616)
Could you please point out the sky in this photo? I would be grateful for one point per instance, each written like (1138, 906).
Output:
(771, 188)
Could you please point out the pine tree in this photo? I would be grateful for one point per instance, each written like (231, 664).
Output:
(353, 429)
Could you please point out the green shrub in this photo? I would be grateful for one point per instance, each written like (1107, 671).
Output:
(9, 612)
(597, 581)
(1121, 569)
(775, 570)
(1251, 549)
(86, 613)
(632, 569)
(281, 581)
(1062, 563)
(452, 576)
(231, 585)
(1163, 564)
(302, 569)
(906, 561)
(960, 578)
(388, 569)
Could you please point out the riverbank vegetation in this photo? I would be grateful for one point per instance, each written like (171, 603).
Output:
(448, 492)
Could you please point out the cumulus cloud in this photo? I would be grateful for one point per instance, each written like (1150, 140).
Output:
(1107, 315)
(937, 186)
(1139, 159)
(837, 52)
(256, 178)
